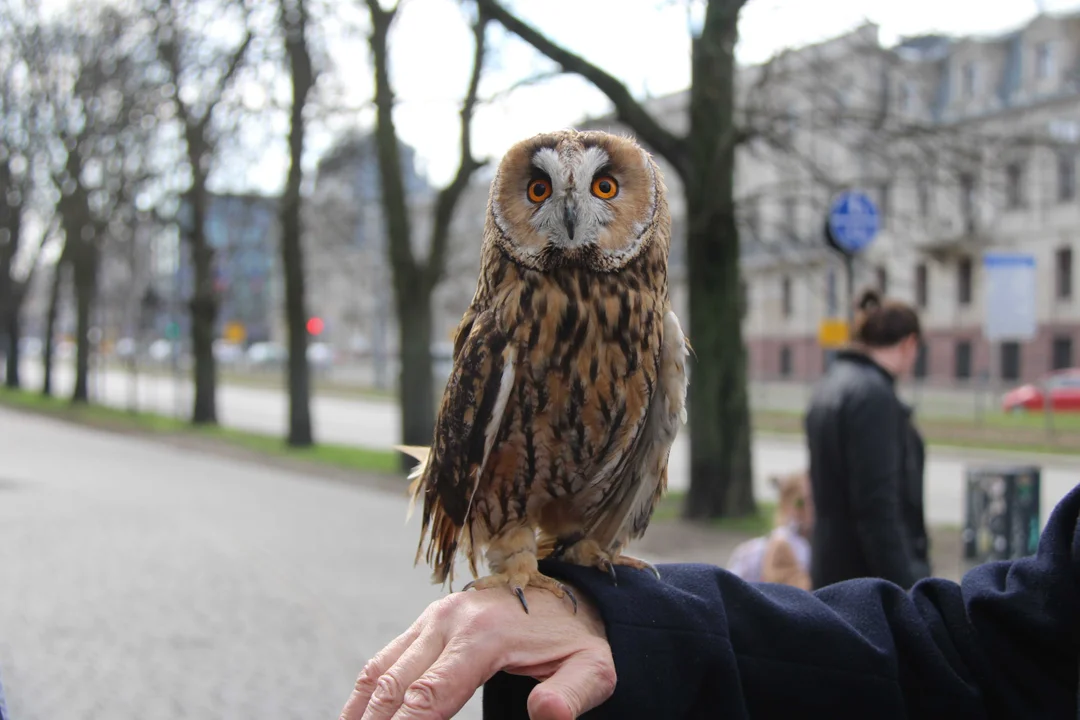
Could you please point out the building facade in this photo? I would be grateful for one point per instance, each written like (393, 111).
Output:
(967, 145)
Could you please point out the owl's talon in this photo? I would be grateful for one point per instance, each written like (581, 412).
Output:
(469, 586)
(609, 567)
(521, 596)
(570, 594)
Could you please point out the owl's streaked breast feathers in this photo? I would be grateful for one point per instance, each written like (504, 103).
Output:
(569, 378)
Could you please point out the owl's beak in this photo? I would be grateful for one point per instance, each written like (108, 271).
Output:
(569, 218)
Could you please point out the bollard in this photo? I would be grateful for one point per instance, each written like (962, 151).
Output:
(1002, 519)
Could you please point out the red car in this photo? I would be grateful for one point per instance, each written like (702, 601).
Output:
(1064, 386)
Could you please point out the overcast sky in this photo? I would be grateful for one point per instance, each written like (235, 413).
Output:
(643, 42)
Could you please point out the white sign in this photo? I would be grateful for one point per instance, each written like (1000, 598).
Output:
(1010, 296)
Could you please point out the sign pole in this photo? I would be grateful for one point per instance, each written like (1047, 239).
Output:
(852, 225)
(849, 265)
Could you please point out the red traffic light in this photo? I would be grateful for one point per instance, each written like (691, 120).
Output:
(315, 326)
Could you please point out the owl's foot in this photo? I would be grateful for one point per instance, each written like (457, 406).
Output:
(518, 581)
(590, 554)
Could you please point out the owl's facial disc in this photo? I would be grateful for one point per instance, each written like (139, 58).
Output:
(575, 198)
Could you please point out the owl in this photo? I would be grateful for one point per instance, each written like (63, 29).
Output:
(569, 378)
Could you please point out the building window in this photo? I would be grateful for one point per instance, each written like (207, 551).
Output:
(785, 295)
(1014, 185)
(1066, 172)
(963, 281)
(1010, 361)
(753, 218)
(884, 196)
(1061, 355)
(923, 192)
(1063, 262)
(962, 370)
(904, 93)
(785, 361)
(790, 215)
(967, 201)
(1044, 60)
(882, 279)
(922, 362)
(922, 285)
(969, 80)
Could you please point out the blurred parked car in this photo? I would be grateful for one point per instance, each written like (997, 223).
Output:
(30, 348)
(266, 355)
(320, 356)
(125, 348)
(227, 353)
(1064, 389)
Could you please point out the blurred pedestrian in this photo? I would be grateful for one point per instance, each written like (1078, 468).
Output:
(866, 456)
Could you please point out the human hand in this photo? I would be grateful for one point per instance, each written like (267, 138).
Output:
(462, 640)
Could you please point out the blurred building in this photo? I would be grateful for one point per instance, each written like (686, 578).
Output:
(244, 232)
(967, 145)
(350, 280)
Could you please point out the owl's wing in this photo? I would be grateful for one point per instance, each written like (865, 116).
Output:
(469, 419)
(641, 476)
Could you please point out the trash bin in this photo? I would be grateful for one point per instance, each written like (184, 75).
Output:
(1002, 520)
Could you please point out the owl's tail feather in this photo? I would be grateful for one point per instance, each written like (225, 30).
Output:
(416, 474)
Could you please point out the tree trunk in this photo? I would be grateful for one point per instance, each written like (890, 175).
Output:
(417, 382)
(721, 481)
(50, 327)
(85, 268)
(203, 300)
(11, 374)
(293, 22)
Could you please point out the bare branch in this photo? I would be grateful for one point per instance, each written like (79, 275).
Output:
(628, 110)
(537, 79)
(234, 64)
(449, 196)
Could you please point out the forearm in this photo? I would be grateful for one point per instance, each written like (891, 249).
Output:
(1004, 643)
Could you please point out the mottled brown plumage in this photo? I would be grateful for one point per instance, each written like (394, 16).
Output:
(569, 379)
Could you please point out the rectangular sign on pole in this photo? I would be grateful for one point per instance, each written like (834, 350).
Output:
(833, 333)
(1010, 296)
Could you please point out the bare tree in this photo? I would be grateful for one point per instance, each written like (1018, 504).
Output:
(100, 109)
(704, 159)
(415, 280)
(17, 157)
(198, 86)
(294, 19)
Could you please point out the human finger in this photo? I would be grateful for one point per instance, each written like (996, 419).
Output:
(391, 686)
(581, 682)
(449, 683)
(373, 670)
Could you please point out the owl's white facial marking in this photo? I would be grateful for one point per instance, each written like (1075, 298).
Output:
(572, 217)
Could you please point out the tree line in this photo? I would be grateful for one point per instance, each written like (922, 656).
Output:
(114, 115)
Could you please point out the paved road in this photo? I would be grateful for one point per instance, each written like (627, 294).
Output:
(377, 424)
(140, 581)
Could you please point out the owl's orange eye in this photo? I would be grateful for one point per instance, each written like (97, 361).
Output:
(605, 187)
(539, 190)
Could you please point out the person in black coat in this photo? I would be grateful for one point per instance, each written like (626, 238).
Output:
(701, 643)
(866, 456)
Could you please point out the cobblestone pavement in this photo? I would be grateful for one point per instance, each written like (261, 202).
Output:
(140, 580)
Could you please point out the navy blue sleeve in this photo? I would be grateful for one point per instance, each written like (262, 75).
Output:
(701, 643)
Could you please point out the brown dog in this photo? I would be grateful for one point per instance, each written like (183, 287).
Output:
(782, 556)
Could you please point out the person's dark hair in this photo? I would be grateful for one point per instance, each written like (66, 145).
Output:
(881, 322)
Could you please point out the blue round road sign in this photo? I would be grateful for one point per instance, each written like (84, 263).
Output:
(853, 221)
